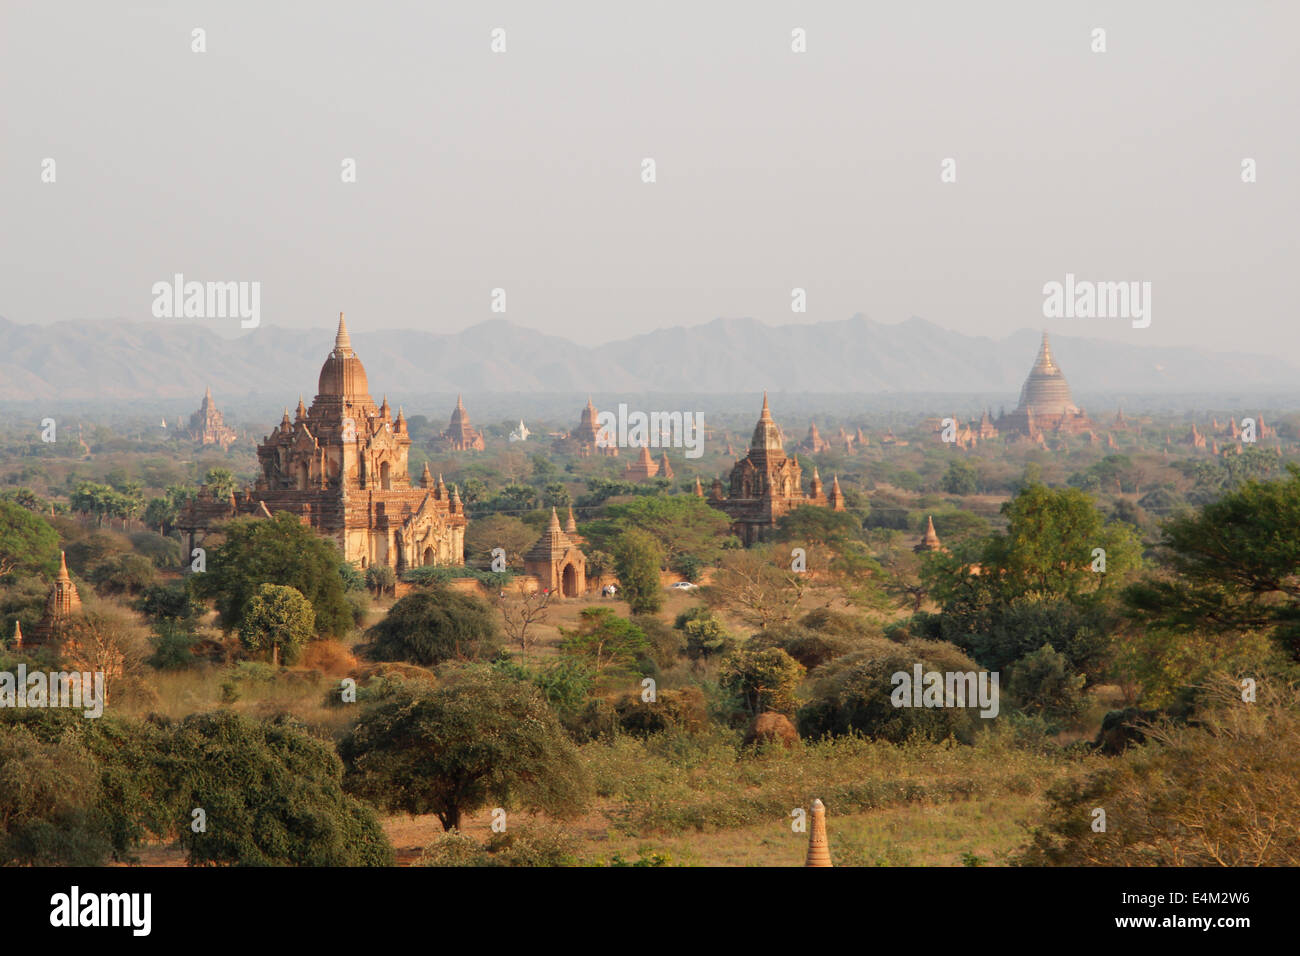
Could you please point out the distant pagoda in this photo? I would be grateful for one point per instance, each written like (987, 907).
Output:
(460, 434)
(207, 426)
(1046, 406)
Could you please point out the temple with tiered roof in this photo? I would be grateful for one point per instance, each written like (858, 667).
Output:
(767, 483)
(1046, 406)
(460, 434)
(341, 467)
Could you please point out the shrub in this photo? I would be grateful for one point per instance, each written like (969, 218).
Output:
(853, 694)
(1217, 792)
(429, 627)
(1043, 684)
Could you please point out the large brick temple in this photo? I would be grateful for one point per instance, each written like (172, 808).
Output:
(341, 467)
(767, 483)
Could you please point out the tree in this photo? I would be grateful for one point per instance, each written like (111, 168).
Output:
(679, 524)
(28, 544)
(758, 585)
(612, 645)
(220, 482)
(499, 531)
(1041, 682)
(278, 619)
(430, 626)
(160, 513)
(961, 478)
(637, 561)
(705, 635)
(762, 680)
(380, 579)
(1232, 566)
(479, 737)
(519, 613)
(280, 551)
(104, 639)
(271, 793)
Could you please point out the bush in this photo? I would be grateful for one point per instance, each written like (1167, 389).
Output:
(164, 552)
(705, 635)
(683, 710)
(429, 627)
(1217, 792)
(1043, 684)
(530, 846)
(810, 648)
(272, 795)
(853, 695)
(761, 680)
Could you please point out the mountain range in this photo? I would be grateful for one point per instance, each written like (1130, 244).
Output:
(110, 360)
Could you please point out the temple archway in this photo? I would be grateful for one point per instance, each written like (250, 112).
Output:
(569, 581)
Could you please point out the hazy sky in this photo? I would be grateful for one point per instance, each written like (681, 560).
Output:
(775, 169)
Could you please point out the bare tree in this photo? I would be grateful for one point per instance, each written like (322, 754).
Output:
(520, 611)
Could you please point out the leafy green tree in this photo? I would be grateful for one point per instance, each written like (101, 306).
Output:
(611, 645)
(481, 737)
(221, 482)
(272, 795)
(280, 551)
(761, 680)
(637, 561)
(28, 545)
(679, 524)
(961, 478)
(1042, 683)
(278, 619)
(1232, 566)
(430, 626)
(705, 635)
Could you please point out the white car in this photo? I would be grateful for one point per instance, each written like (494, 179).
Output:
(683, 586)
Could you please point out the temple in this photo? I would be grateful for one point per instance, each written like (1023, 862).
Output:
(62, 604)
(460, 434)
(1045, 406)
(587, 439)
(341, 467)
(767, 484)
(557, 561)
(207, 426)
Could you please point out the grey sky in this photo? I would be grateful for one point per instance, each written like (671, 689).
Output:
(775, 169)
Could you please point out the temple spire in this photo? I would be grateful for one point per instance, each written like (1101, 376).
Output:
(342, 341)
(1045, 361)
(555, 521)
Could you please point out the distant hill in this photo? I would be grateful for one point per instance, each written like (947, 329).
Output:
(123, 361)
